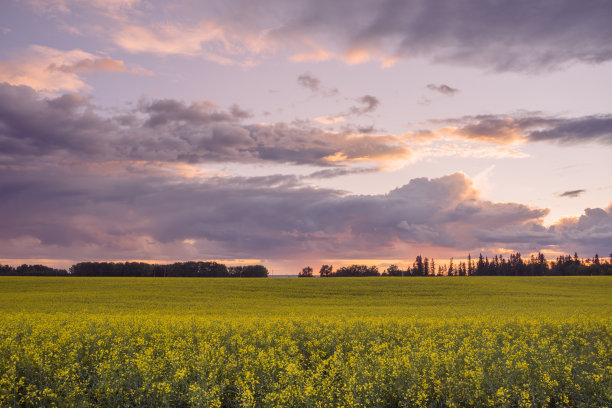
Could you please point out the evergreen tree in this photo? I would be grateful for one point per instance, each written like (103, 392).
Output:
(470, 267)
(480, 266)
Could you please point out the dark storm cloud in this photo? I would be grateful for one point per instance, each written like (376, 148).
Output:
(528, 127)
(69, 127)
(572, 193)
(443, 89)
(502, 35)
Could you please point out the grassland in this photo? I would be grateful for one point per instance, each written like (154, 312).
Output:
(369, 342)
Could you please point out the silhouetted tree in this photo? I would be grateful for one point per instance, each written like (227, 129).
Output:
(357, 270)
(462, 269)
(480, 266)
(31, 270)
(248, 271)
(418, 267)
(326, 270)
(141, 269)
(394, 270)
(305, 272)
(470, 266)
(442, 270)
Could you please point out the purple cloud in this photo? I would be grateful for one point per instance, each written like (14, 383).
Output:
(171, 130)
(572, 193)
(140, 214)
(528, 127)
(443, 89)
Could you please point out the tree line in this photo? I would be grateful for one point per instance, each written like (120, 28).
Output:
(31, 270)
(498, 265)
(194, 269)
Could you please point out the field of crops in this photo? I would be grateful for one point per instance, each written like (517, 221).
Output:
(352, 342)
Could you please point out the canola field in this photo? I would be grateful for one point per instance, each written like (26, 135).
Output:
(336, 342)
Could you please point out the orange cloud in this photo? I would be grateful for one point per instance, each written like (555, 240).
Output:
(209, 40)
(50, 70)
(96, 65)
(314, 53)
(327, 120)
(357, 56)
(317, 55)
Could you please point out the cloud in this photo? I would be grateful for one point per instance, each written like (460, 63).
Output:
(328, 120)
(572, 193)
(265, 217)
(339, 172)
(50, 70)
(69, 128)
(592, 230)
(309, 81)
(60, 127)
(172, 39)
(443, 89)
(526, 127)
(168, 130)
(369, 104)
(209, 39)
(313, 83)
(78, 184)
(317, 54)
(497, 36)
(168, 111)
(54, 7)
(494, 35)
(51, 210)
(575, 130)
(89, 65)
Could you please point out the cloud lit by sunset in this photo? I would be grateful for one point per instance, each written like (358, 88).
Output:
(298, 132)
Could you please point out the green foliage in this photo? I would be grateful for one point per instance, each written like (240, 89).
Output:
(364, 342)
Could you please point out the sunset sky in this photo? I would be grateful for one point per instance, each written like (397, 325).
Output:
(299, 133)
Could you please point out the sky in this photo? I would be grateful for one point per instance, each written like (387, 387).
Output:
(294, 133)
